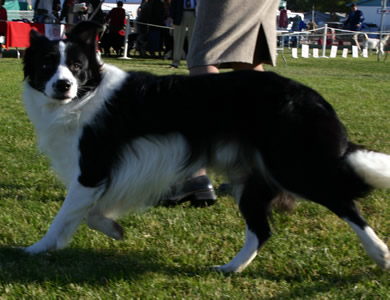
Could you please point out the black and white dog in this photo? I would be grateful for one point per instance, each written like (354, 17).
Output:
(121, 140)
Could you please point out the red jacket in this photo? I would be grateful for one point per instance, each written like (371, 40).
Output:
(283, 20)
(117, 17)
(3, 19)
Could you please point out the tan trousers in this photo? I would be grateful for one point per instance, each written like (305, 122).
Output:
(180, 32)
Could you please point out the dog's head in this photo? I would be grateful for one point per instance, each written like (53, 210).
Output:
(67, 69)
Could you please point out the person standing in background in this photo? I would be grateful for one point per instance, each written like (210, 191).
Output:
(354, 22)
(283, 18)
(3, 26)
(355, 19)
(182, 15)
(116, 18)
(156, 17)
(167, 33)
(142, 28)
(97, 14)
(3, 19)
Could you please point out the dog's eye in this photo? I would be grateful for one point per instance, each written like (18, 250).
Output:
(75, 67)
(47, 66)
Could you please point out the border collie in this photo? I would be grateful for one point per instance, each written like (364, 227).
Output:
(120, 140)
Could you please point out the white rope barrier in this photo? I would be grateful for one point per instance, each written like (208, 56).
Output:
(312, 33)
(151, 25)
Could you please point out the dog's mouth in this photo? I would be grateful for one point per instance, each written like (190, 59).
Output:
(63, 97)
(61, 90)
(60, 97)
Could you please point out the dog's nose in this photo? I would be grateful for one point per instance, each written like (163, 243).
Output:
(63, 85)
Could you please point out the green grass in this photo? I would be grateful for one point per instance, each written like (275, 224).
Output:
(167, 251)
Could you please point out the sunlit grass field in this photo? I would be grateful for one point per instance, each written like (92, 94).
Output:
(167, 252)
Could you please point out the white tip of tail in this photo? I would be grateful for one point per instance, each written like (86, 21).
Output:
(373, 167)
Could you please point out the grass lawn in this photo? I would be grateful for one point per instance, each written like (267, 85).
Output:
(167, 252)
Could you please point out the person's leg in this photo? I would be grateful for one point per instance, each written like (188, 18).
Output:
(212, 69)
(355, 41)
(179, 34)
(200, 70)
(243, 66)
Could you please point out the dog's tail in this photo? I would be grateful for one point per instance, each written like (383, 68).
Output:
(372, 167)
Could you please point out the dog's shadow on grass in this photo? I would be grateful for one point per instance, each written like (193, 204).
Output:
(79, 266)
(88, 266)
(54, 192)
(310, 285)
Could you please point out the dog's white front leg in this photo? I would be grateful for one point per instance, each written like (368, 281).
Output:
(244, 257)
(71, 214)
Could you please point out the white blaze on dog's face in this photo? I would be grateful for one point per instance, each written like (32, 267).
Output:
(63, 84)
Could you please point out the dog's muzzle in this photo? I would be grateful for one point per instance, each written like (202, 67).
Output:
(62, 89)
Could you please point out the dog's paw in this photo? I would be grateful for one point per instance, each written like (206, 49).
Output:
(40, 247)
(386, 262)
(105, 225)
(118, 232)
(34, 250)
(218, 269)
(382, 257)
(227, 269)
(379, 252)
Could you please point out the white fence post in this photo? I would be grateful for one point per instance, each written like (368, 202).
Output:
(127, 31)
(324, 41)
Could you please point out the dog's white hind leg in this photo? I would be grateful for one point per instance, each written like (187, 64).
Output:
(245, 256)
(71, 214)
(374, 246)
(109, 227)
(255, 198)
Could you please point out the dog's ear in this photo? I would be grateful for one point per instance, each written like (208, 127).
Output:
(37, 42)
(85, 32)
(36, 38)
